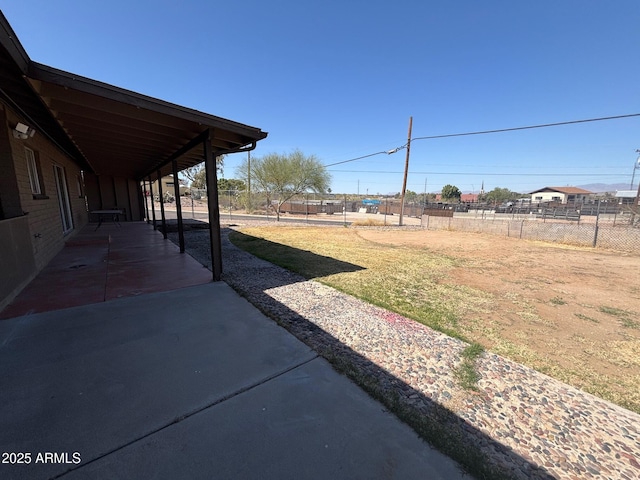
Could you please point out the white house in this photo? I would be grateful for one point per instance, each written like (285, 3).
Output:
(626, 197)
(561, 195)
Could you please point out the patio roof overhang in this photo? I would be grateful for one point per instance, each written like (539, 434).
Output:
(109, 130)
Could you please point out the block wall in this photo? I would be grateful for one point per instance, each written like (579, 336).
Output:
(43, 211)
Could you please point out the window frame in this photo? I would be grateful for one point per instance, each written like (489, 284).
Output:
(32, 169)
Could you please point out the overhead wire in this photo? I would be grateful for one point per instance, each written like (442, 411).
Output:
(485, 132)
(513, 129)
(488, 173)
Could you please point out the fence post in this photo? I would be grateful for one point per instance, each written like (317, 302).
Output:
(386, 208)
(521, 227)
(595, 233)
(345, 210)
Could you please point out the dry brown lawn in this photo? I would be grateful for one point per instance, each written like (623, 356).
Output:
(572, 313)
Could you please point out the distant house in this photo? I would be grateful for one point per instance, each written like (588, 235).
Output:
(464, 198)
(469, 198)
(561, 195)
(168, 186)
(626, 197)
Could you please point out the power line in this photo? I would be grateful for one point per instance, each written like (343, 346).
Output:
(358, 158)
(485, 132)
(544, 125)
(488, 173)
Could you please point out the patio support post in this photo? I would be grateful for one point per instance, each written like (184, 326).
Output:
(214, 208)
(160, 195)
(144, 197)
(153, 208)
(176, 188)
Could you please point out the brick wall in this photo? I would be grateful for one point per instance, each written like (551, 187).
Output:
(43, 213)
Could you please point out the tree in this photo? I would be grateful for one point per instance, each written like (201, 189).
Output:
(500, 195)
(225, 184)
(197, 174)
(199, 179)
(284, 176)
(451, 192)
(410, 196)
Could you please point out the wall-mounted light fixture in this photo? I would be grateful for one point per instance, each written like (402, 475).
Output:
(23, 131)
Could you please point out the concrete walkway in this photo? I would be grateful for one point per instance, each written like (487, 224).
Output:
(189, 383)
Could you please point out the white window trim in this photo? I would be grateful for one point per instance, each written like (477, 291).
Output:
(34, 179)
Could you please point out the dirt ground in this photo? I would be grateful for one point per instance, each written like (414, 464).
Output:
(570, 312)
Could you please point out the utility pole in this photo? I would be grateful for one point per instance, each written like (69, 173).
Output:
(424, 200)
(406, 171)
(635, 166)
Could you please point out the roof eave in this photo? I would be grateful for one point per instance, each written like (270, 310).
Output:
(45, 73)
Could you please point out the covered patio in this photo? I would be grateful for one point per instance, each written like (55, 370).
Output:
(125, 361)
(111, 262)
(119, 138)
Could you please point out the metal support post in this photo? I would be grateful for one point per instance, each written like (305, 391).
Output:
(153, 207)
(214, 208)
(176, 189)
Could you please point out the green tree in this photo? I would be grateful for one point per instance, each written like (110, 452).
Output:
(500, 195)
(410, 196)
(225, 184)
(282, 176)
(199, 179)
(197, 174)
(451, 192)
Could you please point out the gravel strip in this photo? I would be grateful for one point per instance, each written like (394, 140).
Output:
(526, 424)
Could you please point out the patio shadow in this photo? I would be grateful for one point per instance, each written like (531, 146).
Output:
(294, 259)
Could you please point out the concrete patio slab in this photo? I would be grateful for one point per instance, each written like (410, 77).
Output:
(309, 423)
(190, 383)
(111, 262)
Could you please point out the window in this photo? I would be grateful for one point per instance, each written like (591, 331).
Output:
(555, 199)
(32, 167)
(63, 199)
(79, 185)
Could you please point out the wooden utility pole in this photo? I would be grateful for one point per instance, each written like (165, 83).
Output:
(406, 171)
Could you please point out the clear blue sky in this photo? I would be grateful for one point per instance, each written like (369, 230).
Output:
(340, 79)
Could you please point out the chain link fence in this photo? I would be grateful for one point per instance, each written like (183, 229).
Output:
(614, 230)
(621, 236)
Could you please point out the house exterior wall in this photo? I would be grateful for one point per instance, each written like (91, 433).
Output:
(105, 192)
(36, 217)
(560, 197)
(540, 197)
(167, 186)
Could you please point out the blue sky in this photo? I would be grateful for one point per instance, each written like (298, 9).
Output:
(340, 79)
